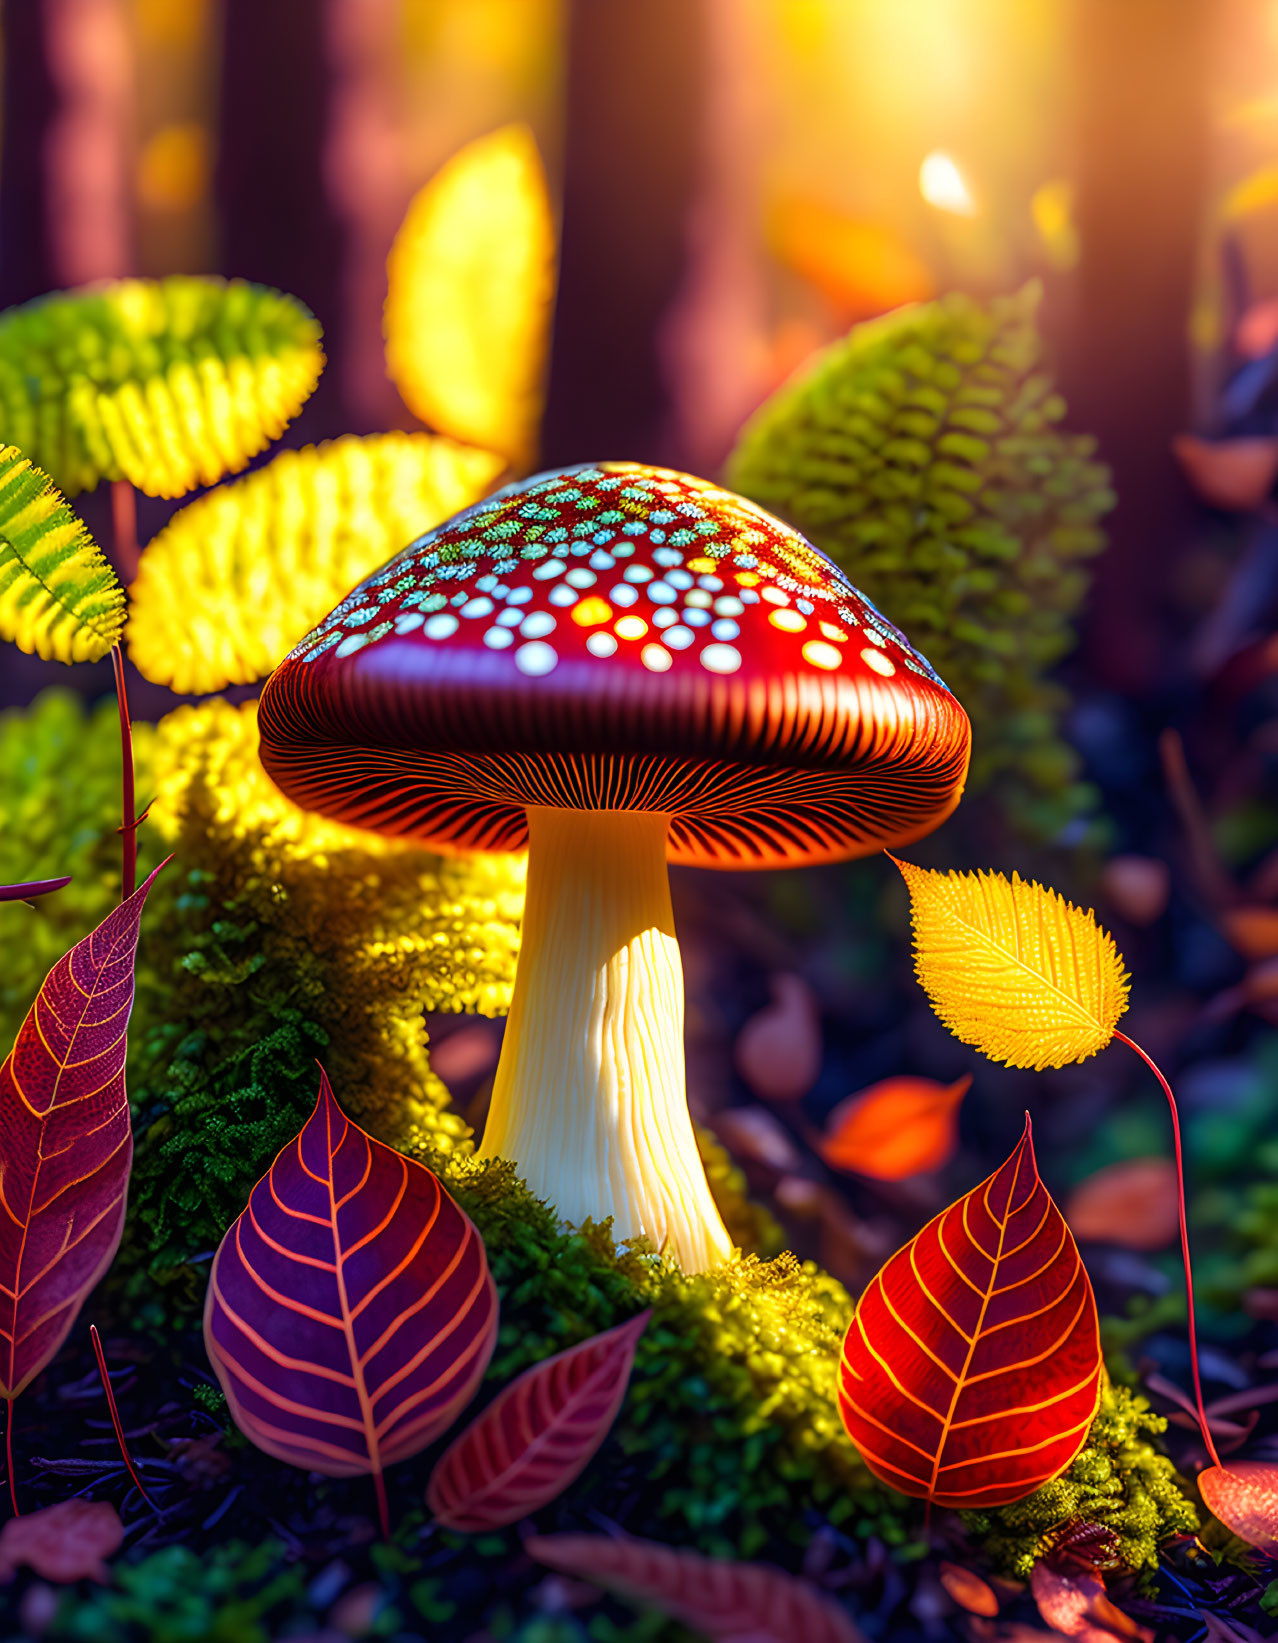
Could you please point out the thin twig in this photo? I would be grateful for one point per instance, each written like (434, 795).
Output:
(1184, 1242)
(129, 826)
(115, 1416)
(1214, 881)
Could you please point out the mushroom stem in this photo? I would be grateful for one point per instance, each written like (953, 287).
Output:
(589, 1097)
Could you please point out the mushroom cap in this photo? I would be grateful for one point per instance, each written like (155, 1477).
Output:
(618, 637)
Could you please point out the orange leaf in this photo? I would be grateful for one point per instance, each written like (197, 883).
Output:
(860, 266)
(529, 1445)
(1244, 1496)
(1253, 931)
(729, 1602)
(968, 1590)
(1133, 1203)
(897, 1128)
(971, 1370)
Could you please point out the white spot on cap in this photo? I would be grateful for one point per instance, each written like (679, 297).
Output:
(678, 638)
(538, 625)
(623, 595)
(348, 647)
(580, 577)
(638, 573)
(510, 618)
(601, 644)
(822, 655)
(724, 629)
(442, 626)
(536, 659)
(499, 638)
(409, 621)
(661, 594)
(656, 658)
(774, 596)
(562, 595)
(664, 617)
(878, 662)
(552, 568)
(721, 658)
(728, 606)
(477, 607)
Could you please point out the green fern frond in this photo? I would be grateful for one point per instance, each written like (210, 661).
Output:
(59, 598)
(167, 383)
(924, 454)
(238, 577)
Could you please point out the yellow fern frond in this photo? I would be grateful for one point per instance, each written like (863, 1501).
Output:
(167, 383)
(470, 287)
(236, 578)
(59, 598)
(1013, 968)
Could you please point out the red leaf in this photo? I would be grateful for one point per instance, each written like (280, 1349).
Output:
(64, 1542)
(897, 1128)
(1244, 1496)
(350, 1312)
(33, 887)
(533, 1440)
(971, 1370)
(1133, 1203)
(65, 1143)
(729, 1602)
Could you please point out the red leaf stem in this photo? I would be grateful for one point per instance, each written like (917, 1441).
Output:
(1184, 1242)
(115, 1415)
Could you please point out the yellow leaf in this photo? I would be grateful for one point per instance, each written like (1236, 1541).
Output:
(168, 383)
(1013, 969)
(470, 285)
(59, 598)
(235, 579)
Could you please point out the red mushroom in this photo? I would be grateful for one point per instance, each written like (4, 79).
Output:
(616, 666)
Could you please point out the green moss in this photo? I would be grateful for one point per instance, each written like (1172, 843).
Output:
(923, 453)
(1119, 1480)
(59, 808)
(230, 1594)
(730, 1438)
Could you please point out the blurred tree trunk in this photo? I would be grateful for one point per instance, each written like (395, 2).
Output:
(29, 101)
(277, 224)
(1140, 97)
(632, 132)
